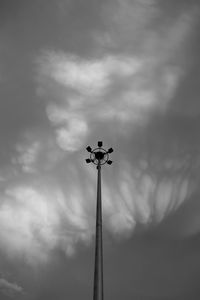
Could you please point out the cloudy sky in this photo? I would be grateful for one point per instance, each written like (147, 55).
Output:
(73, 72)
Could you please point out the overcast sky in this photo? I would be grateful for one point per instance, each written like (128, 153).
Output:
(73, 72)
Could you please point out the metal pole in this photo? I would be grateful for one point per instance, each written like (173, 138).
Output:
(98, 268)
(98, 156)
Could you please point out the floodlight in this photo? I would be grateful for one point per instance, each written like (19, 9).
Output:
(88, 160)
(89, 149)
(110, 150)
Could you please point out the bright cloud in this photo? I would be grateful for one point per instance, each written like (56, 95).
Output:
(128, 91)
(71, 128)
(58, 216)
(69, 138)
(91, 77)
(27, 156)
(47, 221)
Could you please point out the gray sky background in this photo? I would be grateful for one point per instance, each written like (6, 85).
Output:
(75, 72)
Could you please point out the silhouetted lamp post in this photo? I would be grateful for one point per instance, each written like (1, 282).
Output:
(98, 156)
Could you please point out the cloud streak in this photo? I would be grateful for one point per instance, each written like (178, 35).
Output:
(10, 289)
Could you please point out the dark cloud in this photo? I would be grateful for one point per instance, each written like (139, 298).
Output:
(72, 73)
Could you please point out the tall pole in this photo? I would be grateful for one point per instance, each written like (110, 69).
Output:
(98, 156)
(98, 266)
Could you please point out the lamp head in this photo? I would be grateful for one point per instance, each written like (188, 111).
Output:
(109, 162)
(89, 149)
(88, 160)
(110, 150)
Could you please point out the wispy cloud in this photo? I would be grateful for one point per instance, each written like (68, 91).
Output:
(127, 89)
(90, 77)
(10, 289)
(47, 221)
